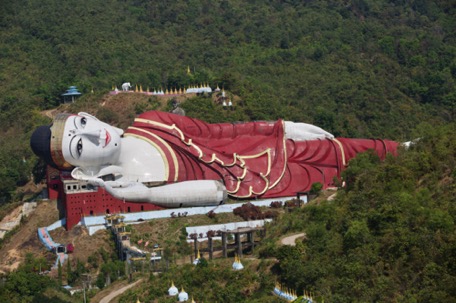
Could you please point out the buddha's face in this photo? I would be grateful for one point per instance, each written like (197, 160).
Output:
(90, 143)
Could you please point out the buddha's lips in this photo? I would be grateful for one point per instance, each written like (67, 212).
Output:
(108, 139)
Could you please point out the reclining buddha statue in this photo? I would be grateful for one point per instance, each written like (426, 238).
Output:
(172, 160)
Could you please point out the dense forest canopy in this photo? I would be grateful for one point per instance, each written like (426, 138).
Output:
(357, 68)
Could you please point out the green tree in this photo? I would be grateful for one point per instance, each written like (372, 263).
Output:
(101, 280)
(69, 273)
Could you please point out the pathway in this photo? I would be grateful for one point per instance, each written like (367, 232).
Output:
(118, 292)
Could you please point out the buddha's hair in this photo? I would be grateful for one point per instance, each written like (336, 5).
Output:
(46, 143)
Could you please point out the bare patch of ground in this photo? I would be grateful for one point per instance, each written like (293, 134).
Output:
(12, 216)
(25, 239)
(291, 240)
(84, 245)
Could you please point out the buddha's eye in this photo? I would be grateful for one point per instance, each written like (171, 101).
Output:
(83, 122)
(79, 147)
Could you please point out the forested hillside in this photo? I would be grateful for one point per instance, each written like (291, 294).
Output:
(357, 68)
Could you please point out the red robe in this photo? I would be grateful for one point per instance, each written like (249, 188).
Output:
(252, 159)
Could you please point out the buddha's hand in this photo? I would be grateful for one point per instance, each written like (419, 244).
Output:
(96, 182)
(113, 184)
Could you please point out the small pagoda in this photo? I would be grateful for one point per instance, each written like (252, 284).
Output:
(71, 94)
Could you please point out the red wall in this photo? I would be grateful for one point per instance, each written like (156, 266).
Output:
(98, 203)
(54, 184)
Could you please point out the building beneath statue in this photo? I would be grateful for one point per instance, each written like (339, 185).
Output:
(78, 199)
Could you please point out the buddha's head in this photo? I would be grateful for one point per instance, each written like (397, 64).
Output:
(77, 141)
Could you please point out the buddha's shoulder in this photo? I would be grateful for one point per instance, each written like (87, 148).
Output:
(136, 144)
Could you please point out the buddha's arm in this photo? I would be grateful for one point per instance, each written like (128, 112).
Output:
(182, 194)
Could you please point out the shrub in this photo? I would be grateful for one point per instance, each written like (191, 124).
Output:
(292, 203)
(249, 211)
(316, 188)
(276, 204)
(271, 214)
(211, 233)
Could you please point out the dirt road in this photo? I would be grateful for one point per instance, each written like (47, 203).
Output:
(118, 292)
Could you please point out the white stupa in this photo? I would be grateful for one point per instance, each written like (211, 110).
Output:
(237, 265)
(183, 296)
(173, 291)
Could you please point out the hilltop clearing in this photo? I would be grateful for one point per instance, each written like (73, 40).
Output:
(120, 109)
